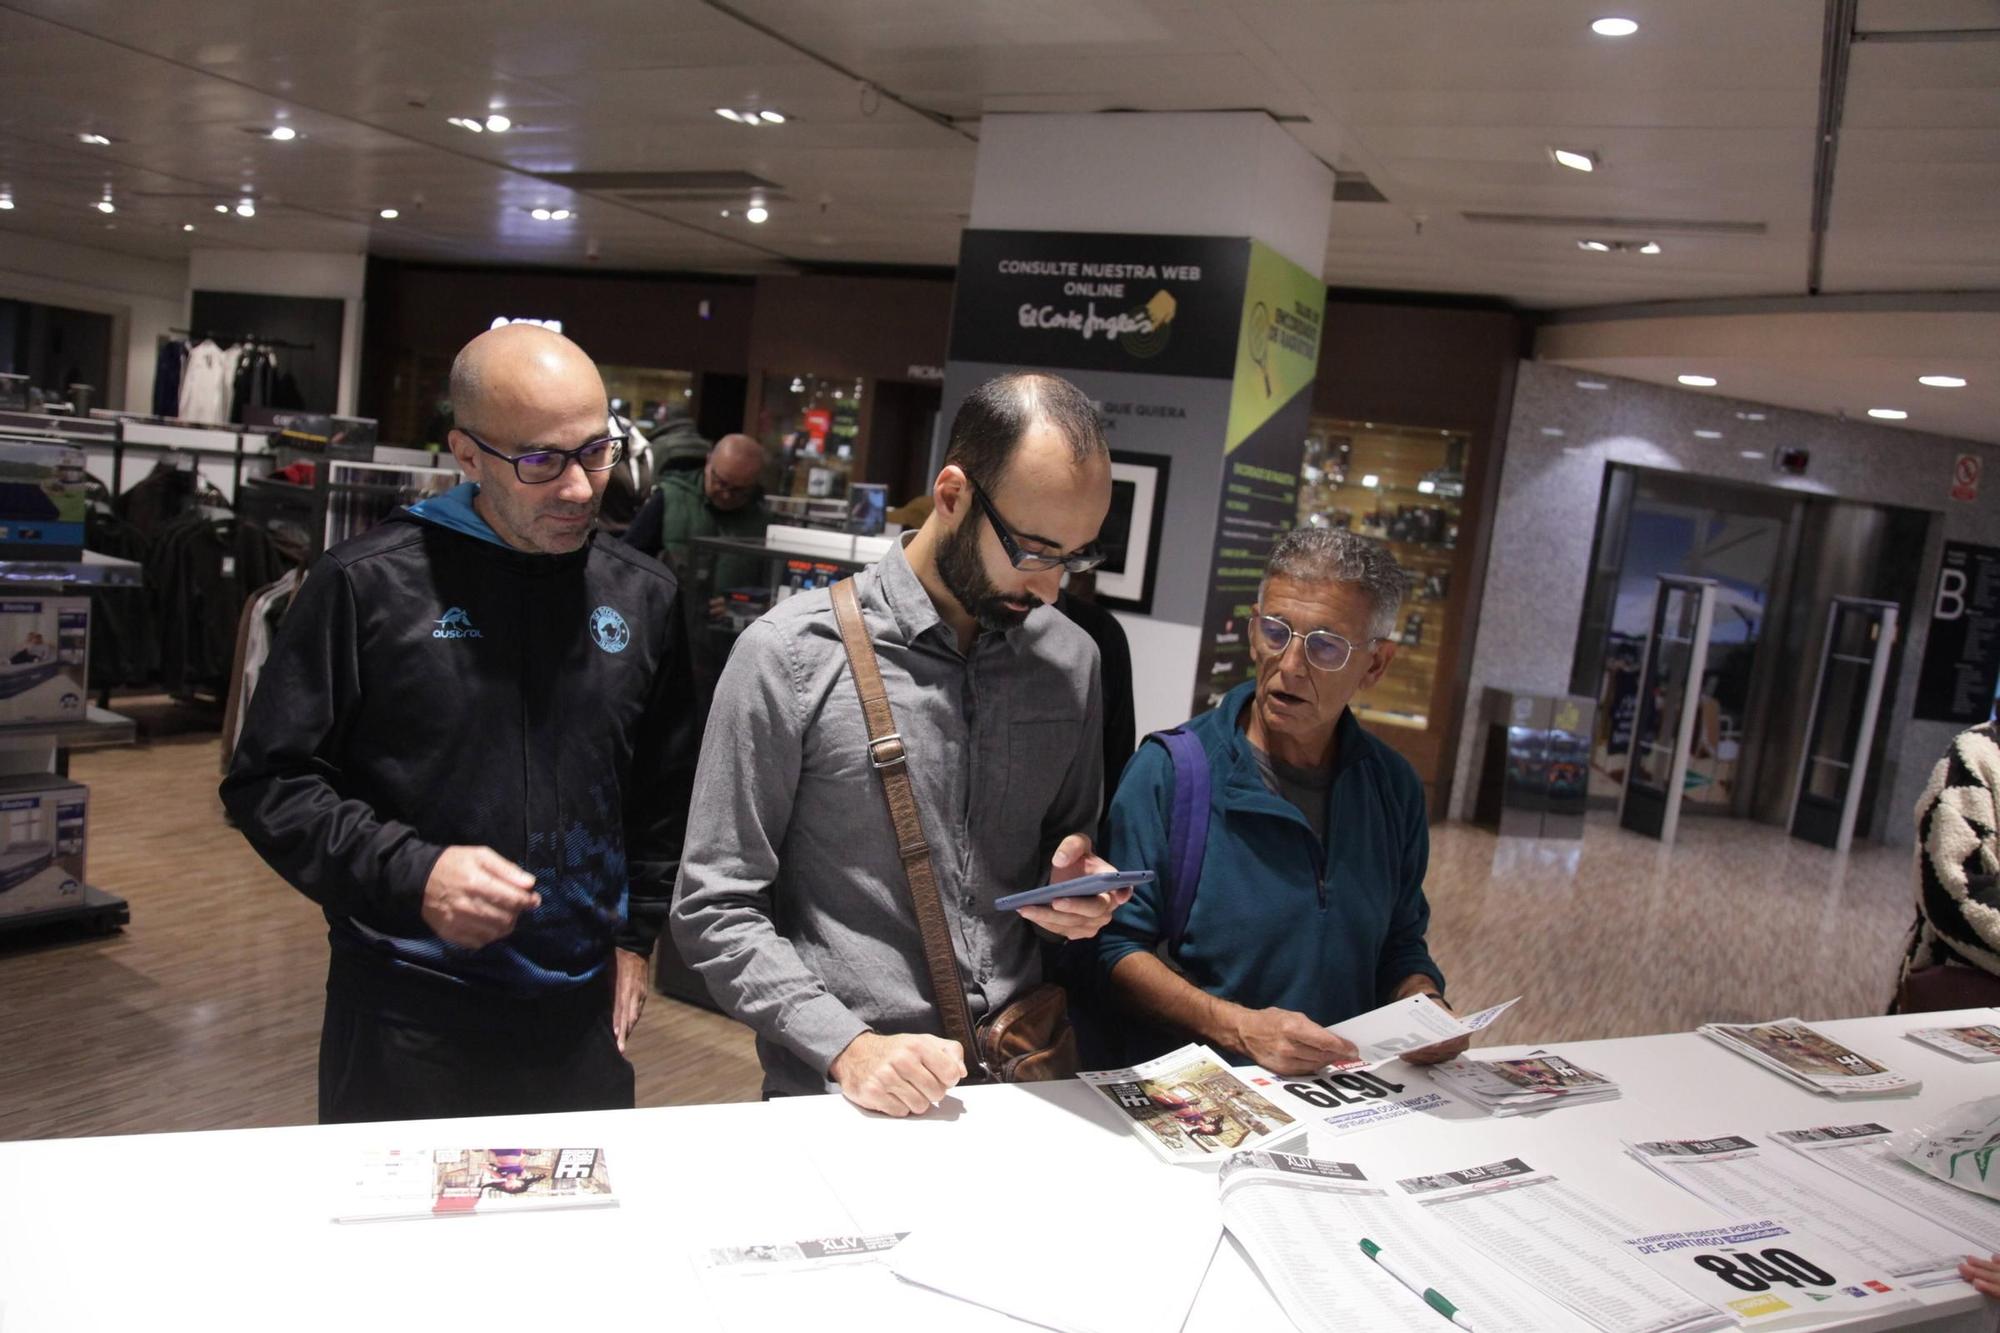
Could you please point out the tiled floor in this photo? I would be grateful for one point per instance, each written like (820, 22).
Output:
(204, 1013)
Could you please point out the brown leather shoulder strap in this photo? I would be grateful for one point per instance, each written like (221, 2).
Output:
(891, 760)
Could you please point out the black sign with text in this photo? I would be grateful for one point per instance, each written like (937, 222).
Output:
(1260, 488)
(1147, 305)
(1962, 656)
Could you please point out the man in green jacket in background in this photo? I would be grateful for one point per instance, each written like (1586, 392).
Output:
(724, 498)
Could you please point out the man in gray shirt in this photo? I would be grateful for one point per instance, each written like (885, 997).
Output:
(792, 903)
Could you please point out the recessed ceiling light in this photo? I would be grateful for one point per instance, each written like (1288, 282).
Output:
(1941, 381)
(1749, 416)
(95, 139)
(1614, 27)
(1426, 486)
(222, 208)
(1554, 432)
(466, 123)
(749, 118)
(1887, 413)
(1749, 453)
(1597, 385)
(1698, 381)
(726, 113)
(389, 215)
(539, 214)
(1650, 248)
(105, 206)
(1600, 247)
(498, 123)
(246, 209)
(6, 203)
(283, 133)
(187, 226)
(771, 117)
(756, 213)
(1574, 159)
(1371, 481)
(560, 215)
(1708, 434)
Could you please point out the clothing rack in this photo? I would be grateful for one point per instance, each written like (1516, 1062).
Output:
(282, 344)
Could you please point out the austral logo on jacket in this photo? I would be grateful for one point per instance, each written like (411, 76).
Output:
(455, 624)
(610, 630)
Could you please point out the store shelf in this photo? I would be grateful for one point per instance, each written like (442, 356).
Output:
(98, 729)
(99, 913)
(93, 571)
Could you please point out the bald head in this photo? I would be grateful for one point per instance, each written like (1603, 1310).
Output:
(519, 372)
(735, 465)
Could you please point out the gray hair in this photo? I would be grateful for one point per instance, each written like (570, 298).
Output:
(1332, 555)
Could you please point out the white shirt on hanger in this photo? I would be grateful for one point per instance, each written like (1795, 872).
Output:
(208, 384)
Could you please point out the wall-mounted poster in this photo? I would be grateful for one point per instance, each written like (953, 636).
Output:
(1131, 532)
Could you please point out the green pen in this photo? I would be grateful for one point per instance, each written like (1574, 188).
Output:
(1432, 1297)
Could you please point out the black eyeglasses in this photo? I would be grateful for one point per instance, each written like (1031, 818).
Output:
(544, 464)
(1080, 561)
(1325, 650)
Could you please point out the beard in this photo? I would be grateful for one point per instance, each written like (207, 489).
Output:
(965, 578)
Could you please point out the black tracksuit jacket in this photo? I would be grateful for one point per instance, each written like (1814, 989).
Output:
(430, 687)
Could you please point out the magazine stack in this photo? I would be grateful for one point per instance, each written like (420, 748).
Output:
(1533, 1082)
(1809, 1058)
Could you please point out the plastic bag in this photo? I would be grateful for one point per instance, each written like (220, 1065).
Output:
(1960, 1147)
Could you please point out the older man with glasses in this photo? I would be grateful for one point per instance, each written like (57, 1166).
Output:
(1308, 895)
(472, 746)
(722, 498)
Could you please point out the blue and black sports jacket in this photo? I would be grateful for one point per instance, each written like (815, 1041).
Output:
(430, 687)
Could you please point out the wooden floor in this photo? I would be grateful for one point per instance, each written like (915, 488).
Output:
(204, 1013)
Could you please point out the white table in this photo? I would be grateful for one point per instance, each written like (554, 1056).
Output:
(230, 1230)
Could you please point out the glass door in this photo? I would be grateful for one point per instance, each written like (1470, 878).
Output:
(1672, 663)
(1853, 667)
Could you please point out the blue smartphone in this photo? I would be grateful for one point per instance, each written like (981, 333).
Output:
(1081, 887)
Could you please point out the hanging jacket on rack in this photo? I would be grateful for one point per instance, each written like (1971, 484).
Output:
(256, 380)
(124, 637)
(254, 632)
(157, 499)
(167, 370)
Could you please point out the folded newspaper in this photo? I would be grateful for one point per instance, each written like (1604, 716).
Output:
(1974, 1045)
(1533, 1082)
(396, 1183)
(1809, 1058)
(1190, 1107)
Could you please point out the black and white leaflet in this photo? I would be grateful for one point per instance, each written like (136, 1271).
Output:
(1864, 1155)
(1563, 1242)
(1744, 1178)
(1302, 1219)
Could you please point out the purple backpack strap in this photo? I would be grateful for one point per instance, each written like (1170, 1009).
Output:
(1187, 827)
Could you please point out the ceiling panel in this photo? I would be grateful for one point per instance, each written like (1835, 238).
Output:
(1446, 105)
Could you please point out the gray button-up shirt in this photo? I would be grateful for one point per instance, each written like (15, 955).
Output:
(792, 902)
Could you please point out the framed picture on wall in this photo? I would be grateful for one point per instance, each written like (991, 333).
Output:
(1132, 530)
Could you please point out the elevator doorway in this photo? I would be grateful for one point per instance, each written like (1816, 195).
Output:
(1777, 558)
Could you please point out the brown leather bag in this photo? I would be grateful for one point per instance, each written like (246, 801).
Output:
(1029, 1041)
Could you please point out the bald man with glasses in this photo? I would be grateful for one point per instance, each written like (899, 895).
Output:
(1308, 902)
(472, 746)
